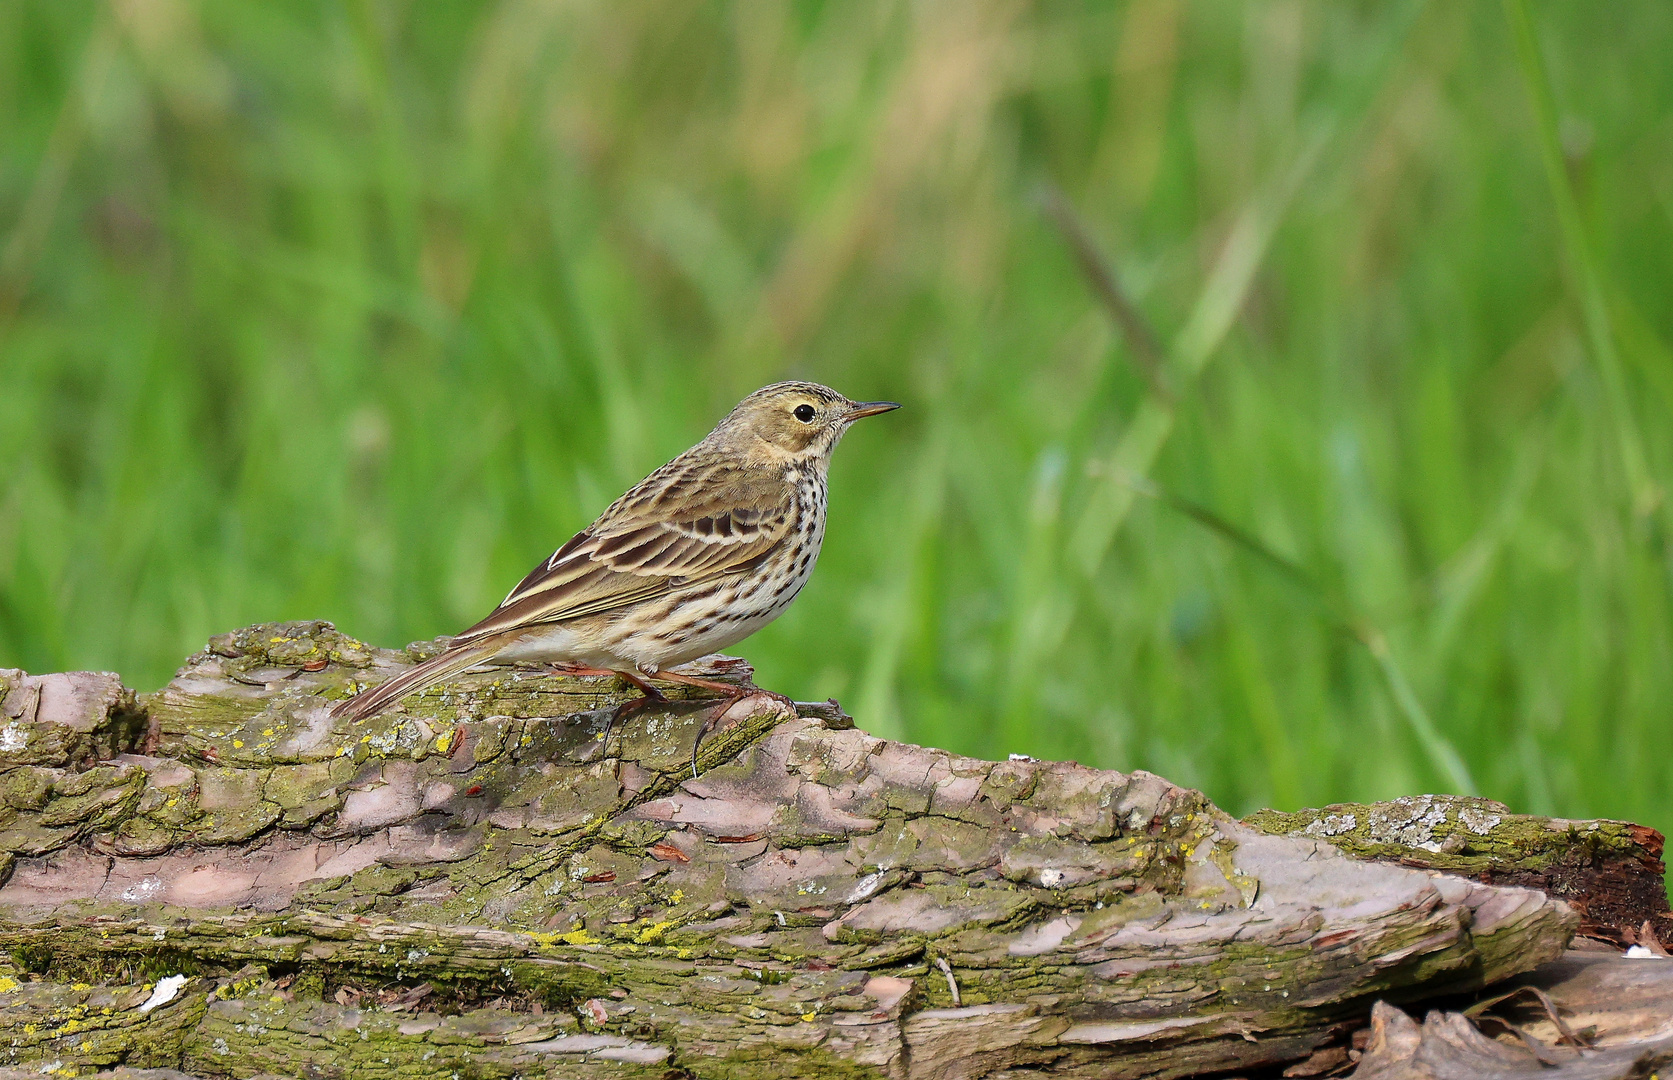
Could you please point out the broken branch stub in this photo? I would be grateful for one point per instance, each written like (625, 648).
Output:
(579, 905)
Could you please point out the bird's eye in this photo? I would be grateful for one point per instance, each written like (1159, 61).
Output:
(804, 413)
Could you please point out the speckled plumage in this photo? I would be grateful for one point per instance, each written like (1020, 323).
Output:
(694, 558)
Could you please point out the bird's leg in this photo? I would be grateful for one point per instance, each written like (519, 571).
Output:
(651, 693)
(732, 692)
(582, 671)
(627, 708)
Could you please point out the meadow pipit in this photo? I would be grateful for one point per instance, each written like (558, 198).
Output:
(697, 556)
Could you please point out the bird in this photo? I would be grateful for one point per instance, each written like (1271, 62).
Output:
(694, 558)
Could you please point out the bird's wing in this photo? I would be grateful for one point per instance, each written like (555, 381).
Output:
(686, 522)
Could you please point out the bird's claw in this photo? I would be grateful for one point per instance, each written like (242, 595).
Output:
(724, 706)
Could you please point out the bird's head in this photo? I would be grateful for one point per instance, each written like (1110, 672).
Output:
(796, 421)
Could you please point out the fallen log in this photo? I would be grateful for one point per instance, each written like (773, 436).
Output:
(499, 879)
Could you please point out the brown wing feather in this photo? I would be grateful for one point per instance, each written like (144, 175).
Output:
(689, 521)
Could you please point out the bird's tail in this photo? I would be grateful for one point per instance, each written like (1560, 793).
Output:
(432, 671)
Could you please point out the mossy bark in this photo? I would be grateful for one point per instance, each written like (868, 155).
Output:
(1610, 872)
(502, 879)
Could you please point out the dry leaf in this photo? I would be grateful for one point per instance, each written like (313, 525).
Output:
(669, 853)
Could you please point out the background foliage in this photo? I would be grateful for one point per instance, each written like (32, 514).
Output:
(355, 310)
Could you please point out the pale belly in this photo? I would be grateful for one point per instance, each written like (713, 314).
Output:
(631, 641)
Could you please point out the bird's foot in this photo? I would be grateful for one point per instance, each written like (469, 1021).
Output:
(731, 694)
(650, 696)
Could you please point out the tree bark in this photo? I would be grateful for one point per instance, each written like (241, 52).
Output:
(502, 879)
(1610, 872)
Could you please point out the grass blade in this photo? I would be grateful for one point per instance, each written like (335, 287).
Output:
(1585, 276)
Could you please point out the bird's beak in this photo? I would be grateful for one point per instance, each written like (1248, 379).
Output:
(871, 408)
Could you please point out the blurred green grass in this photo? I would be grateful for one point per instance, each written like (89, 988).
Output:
(355, 310)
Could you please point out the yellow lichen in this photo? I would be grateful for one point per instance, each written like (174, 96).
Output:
(653, 933)
(577, 936)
